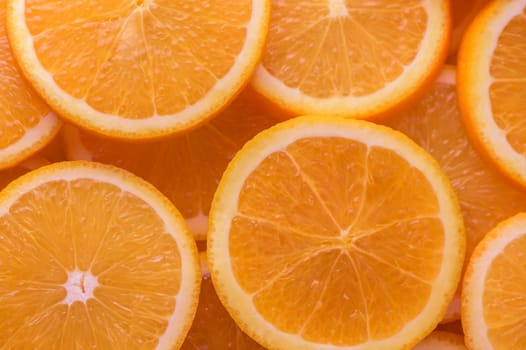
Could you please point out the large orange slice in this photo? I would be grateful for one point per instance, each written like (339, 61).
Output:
(185, 168)
(486, 197)
(355, 59)
(492, 85)
(213, 328)
(93, 257)
(26, 122)
(494, 293)
(137, 68)
(320, 227)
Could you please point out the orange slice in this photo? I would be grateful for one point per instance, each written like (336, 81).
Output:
(185, 168)
(494, 293)
(93, 257)
(486, 197)
(355, 59)
(451, 327)
(26, 122)
(462, 13)
(320, 227)
(442, 341)
(492, 85)
(213, 328)
(137, 68)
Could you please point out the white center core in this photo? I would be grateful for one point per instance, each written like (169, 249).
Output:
(80, 286)
(337, 8)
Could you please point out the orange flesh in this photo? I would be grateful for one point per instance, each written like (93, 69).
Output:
(136, 292)
(504, 297)
(331, 267)
(21, 108)
(171, 52)
(485, 196)
(324, 54)
(508, 90)
(213, 328)
(186, 168)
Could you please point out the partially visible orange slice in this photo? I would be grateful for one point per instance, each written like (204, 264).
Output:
(355, 59)
(494, 293)
(486, 197)
(93, 257)
(10, 174)
(137, 68)
(320, 227)
(26, 122)
(492, 85)
(213, 328)
(442, 341)
(185, 168)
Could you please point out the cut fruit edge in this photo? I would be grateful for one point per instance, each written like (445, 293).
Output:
(224, 208)
(31, 142)
(492, 245)
(80, 113)
(187, 298)
(474, 80)
(382, 103)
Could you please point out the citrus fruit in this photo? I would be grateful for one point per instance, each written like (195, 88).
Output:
(442, 341)
(93, 257)
(492, 85)
(213, 328)
(355, 59)
(462, 13)
(137, 69)
(185, 168)
(320, 227)
(26, 122)
(486, 197)
(494, 293)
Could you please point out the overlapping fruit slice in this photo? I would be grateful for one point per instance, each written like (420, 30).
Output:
(93, 257)
(137, 68)
(322, 227)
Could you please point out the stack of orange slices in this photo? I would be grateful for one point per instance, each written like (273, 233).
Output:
(262, 174)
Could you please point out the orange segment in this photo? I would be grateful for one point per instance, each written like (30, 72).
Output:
(186, 168)
(213, 328)
(485, 196)
(102, 260)
(320, 227)
(26, 122)
(493, 298)
(492, 85)
(138, 69)
(356, 59)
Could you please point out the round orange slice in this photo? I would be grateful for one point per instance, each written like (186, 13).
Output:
(137, 69)
(492, 85)
(355, 59)
(93, 257)
(26, 122)
(442, 341)
(494, 293)
(213, 328)
(321, 227)
(184, 168)
(486, 197)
